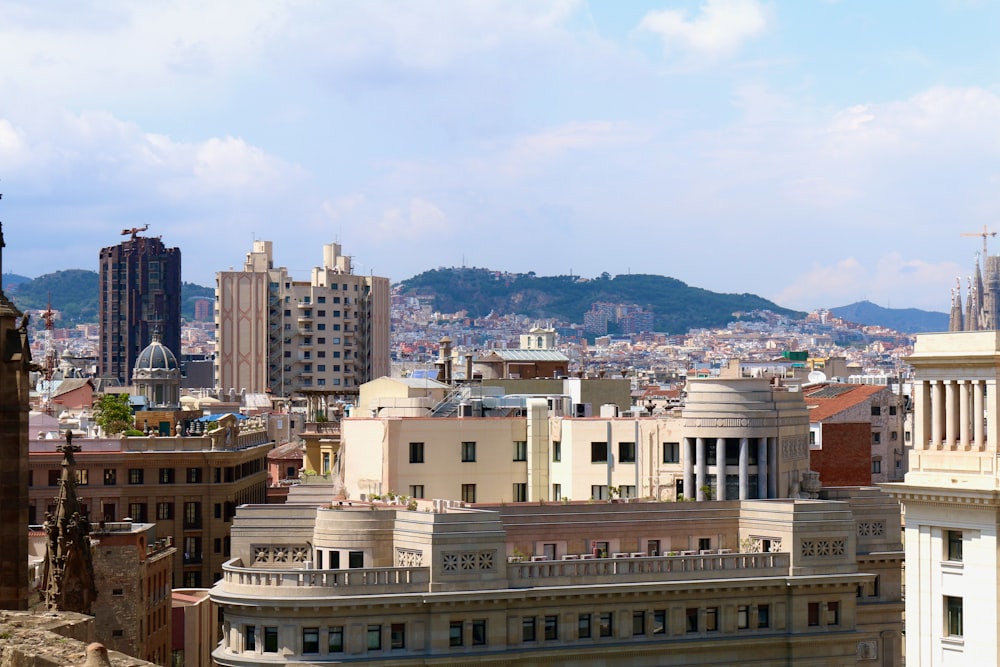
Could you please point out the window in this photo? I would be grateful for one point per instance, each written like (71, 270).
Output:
(599, 491)
(110, 477)
(626, 452)
(192, 515)
(742, 617)
(557, 492)
(671, 452)
(955, 545)
(556, 450)
(416, 452)
(455, 633)
(194, 475)
(117, 592)
(469, 493)
(468, 452)
(520, 492)
(813, 616)
(906, 436)
(310, 640)
(833, 613)
(54, 477)
(249, 637)
(876, 437)
(397, 635)
(876, 466)
(894, 435)
(270, 639)
(659, 621)
(82, 477)
(355, 559)
(691, 619)
(520, 450)
(712, 619)
(583, 626)
(137, 512)
(164, 511)
(652, 547)
(135, 475)
(335, 639)
(626, 490)
(528, 629)
(598, 452)
(764, 616)
(892, 410)
(704, 543)
(876, 411)
(374, 637)
(953, 616)
(551, 628)
(166, 475)
(638, 623)
(604, 623)
(416, 490)
(601, 549)
(479, 632)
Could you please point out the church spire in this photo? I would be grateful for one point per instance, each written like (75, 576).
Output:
(68, 578)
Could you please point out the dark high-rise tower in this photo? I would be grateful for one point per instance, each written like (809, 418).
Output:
(140, 294)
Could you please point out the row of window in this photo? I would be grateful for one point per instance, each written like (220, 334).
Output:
(164, 475)
(598, 452)
(533, 629)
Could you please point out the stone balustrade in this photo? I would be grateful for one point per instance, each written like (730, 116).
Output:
(319, 583)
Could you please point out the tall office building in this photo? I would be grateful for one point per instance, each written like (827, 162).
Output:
(328, 334)
(140, 294)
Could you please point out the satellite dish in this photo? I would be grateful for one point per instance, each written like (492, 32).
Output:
(816, 377)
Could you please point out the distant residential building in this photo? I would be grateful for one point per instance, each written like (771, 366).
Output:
(196, 629)
(595, 321)
(275, 334)
(140, 293)
(203, 310)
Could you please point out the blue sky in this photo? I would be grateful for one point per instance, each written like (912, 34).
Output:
(813, 152)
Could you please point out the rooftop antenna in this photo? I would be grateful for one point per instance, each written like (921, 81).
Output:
(986, 233)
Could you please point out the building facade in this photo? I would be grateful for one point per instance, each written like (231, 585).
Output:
(736, 582)
(140, 293)
(951, 501)
(284, 336)
(188, 486)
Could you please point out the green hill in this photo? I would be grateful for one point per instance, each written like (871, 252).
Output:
(677, 307)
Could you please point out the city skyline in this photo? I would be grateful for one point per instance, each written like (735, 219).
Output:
(816, 154)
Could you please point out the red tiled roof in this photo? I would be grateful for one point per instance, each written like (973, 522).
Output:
(821, 409)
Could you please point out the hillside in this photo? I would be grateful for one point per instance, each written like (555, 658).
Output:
(677, 307)
(74, 294)
(905, 320)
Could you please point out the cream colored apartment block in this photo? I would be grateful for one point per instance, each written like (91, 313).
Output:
(744, 431)
(326, 334)
(757, 582)
(951, 500)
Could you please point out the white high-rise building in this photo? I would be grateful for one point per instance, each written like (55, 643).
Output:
(951, 499)
(328, 334)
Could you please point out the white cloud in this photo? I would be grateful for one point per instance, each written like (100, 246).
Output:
(421, 220)
(720, 28)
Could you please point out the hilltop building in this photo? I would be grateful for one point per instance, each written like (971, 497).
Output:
(327, 335)
(140, 293)
(813, 582)
(951, 501)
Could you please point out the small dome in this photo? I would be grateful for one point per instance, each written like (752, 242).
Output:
(156, 357)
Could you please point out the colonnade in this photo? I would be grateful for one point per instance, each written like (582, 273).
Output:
(697, 467)
(954, 413)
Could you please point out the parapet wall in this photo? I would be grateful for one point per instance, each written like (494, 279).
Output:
(51, 639)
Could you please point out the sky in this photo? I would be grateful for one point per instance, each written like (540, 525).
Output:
(813, 152)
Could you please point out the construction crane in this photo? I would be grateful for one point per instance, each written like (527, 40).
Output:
(986, 233)
(136, 230)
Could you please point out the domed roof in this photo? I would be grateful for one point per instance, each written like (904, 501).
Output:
(156, 357)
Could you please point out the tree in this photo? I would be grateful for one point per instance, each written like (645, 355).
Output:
(113, 413)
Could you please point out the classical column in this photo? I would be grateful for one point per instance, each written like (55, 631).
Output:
(701, 468)
(963, 413)
(978, 405)
(762, 467)
(772, 467)
(949, 413)
(688, 469)
(937, 410)
(744, 468)
(720, 468)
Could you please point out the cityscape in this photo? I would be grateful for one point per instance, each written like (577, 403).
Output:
(499, 333)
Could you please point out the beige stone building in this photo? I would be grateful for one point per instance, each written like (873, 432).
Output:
(951, 498)
(734, 439)
(755, 582)
(284, 336)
